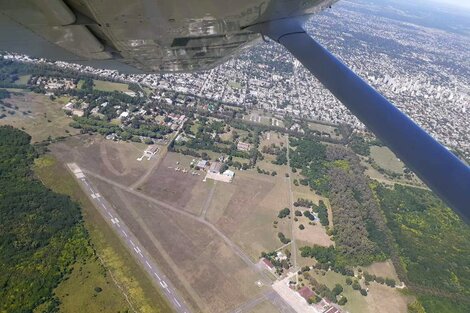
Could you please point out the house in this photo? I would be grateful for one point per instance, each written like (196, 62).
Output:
(268, 264)
(215, 167)
(201, 164)
(306, 292)
(243, 146)
(151, 151)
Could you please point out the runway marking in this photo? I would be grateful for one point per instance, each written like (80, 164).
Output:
(124, 232)
(163, 283)
(110, 215)
(148, 264)
(177, 303)
(132, 243)
(154, 273)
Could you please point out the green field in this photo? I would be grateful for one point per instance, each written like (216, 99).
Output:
(109, 86)
(386, 159)
(119, 263)
(23, 80)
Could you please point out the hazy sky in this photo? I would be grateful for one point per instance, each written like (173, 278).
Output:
(460, 3)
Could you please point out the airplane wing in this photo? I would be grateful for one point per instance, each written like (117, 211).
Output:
(139, 36)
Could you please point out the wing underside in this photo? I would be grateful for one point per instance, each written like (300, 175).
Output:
(141, 35)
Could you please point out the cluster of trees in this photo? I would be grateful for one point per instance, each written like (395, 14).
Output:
(322, 211)
(283, 213)
(309, 215)
(356, 286)
(359, 145)
(360, 231)
(4, 94)
(310, 157)
(433, 243)
(88, 124)
(283, 238)
(281, 157)
(265, 172)
(387, 281)
(323, 291)
(304, 203)
(41, 234)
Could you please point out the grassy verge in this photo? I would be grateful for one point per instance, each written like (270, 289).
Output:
(122, 275)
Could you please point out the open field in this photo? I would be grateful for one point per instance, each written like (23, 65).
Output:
(263, 118)
(116, 160)
(386, 159)
(23, 80)
(123, 278)
(312, 234)
(46, 117)
(383, 269)
(77, 294)
(324, 129)
(183, 190)
(381, 298)
(199, 263)
(246, 209)
(109, 86)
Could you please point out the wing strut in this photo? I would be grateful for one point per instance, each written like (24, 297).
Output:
(440, 169)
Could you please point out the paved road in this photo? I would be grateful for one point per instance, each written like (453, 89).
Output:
(128, 238)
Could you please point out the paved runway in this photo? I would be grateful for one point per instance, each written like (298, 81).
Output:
(110, 215)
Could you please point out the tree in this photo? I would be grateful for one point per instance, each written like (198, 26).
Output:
(301, 227)
(356, 285)
(349, 281)
(337, 289)
(298, 213)
(343, 300)
(363, 292)
(390, 282)
(283, 213)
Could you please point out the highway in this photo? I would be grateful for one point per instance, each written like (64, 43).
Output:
(132, 243)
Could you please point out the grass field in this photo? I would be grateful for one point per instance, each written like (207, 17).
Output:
(386, 159)
(381, 298)
(23, 80)
(132, 281)
(383, 269)
(324, 128)
(109, 86)
(116, 160)
(46, 117)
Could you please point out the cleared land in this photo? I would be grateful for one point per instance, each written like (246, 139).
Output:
(109, 86)
(38, 116)
(117, 273)
(386, 159)
(23, 80)
(115, 160)
(324, 129)
(183, 190)
(246, 209)
(383, 269)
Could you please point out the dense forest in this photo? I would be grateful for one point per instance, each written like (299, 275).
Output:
(433, 244)
(334, 171)
(41, 234)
